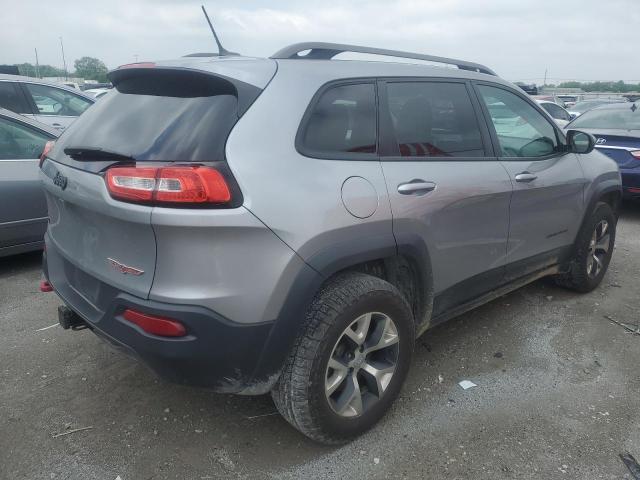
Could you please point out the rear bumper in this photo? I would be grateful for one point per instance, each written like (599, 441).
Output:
(216, 353)
(630, 182)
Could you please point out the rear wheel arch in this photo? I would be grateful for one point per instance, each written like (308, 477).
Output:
(406, 266)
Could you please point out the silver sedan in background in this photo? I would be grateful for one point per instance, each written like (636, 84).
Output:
(23, 209)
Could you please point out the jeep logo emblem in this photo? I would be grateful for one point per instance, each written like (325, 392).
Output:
(60, 180)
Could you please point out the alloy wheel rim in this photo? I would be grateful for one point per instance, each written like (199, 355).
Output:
(362, 364)
(599, 246)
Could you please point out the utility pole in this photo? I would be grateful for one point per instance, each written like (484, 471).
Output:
(64, 62)
(37, 64)
(136, 57)
(545, 77)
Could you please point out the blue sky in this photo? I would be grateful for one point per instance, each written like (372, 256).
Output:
(573, 39)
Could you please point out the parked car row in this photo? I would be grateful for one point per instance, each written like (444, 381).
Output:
(32, 112)
(580, 107)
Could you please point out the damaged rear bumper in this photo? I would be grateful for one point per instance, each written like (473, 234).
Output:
(216, 353)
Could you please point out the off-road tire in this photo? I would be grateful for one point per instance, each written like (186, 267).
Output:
(299, 394)
(577, 278)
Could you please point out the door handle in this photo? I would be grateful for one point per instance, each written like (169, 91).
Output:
(525, 177)
(418, 187)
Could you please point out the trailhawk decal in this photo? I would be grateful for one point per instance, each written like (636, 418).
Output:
(124, 269)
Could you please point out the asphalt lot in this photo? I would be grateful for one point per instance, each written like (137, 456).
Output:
(557, 397)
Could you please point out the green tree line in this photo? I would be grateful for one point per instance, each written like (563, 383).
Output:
(86, 67)
(617, 87)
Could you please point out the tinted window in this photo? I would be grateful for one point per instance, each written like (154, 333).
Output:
(343, 121)
(555, 111)
(522, 130)
(624, 118)
(55, 101)
(434, 120)
(161, 117)
(12, 99)
(19, 142)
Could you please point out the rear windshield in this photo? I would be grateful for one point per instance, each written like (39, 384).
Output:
(626, 118)
(182, 117)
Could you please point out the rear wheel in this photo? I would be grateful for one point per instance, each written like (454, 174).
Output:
(349, 362)
(593, 251)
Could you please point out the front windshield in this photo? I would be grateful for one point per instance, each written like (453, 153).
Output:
(610, 118)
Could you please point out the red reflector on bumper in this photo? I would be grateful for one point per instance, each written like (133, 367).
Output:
(633, 190)
(163, 327)
(45, 286)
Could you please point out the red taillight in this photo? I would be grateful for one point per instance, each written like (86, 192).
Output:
(636, 154)
(183, 184)
(163, 327)
(131, 183)
(45, 286)
(47, 148)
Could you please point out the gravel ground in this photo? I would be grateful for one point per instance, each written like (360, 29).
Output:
(557, 397)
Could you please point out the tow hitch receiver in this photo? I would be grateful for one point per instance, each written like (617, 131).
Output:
(69, 319)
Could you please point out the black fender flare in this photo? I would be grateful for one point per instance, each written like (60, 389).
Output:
(308, 282)
(603, 188)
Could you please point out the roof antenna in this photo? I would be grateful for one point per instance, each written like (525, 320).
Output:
(222, 52)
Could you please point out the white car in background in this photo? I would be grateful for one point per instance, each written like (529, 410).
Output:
(559, 114)
(97, 92)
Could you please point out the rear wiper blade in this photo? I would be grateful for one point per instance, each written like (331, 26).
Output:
(95, 153)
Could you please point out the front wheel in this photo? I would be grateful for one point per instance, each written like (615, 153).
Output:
(350, 360)
(592, 251)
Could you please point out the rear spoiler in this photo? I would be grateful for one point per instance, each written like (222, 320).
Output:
(150, 79)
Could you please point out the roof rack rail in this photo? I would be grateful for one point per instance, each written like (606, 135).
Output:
(201, 54)
(326, 51)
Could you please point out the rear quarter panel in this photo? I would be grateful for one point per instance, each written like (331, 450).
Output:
(299, 197)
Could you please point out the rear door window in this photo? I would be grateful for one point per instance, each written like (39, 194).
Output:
(19, 142)
(12, 98)
(342, 123)
(56, 101)
(434, 119)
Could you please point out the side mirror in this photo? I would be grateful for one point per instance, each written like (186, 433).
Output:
(580, 142)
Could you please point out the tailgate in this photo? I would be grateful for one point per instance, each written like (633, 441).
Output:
(98, 236)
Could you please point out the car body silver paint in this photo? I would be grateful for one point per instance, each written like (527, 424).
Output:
(316, 220)
(88, 227)
(242, 262)
(601, 172)
(464, 222)
(225, 260)
(546, 213)
(23, 216)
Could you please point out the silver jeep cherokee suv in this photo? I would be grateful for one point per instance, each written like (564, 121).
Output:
(292, 224)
